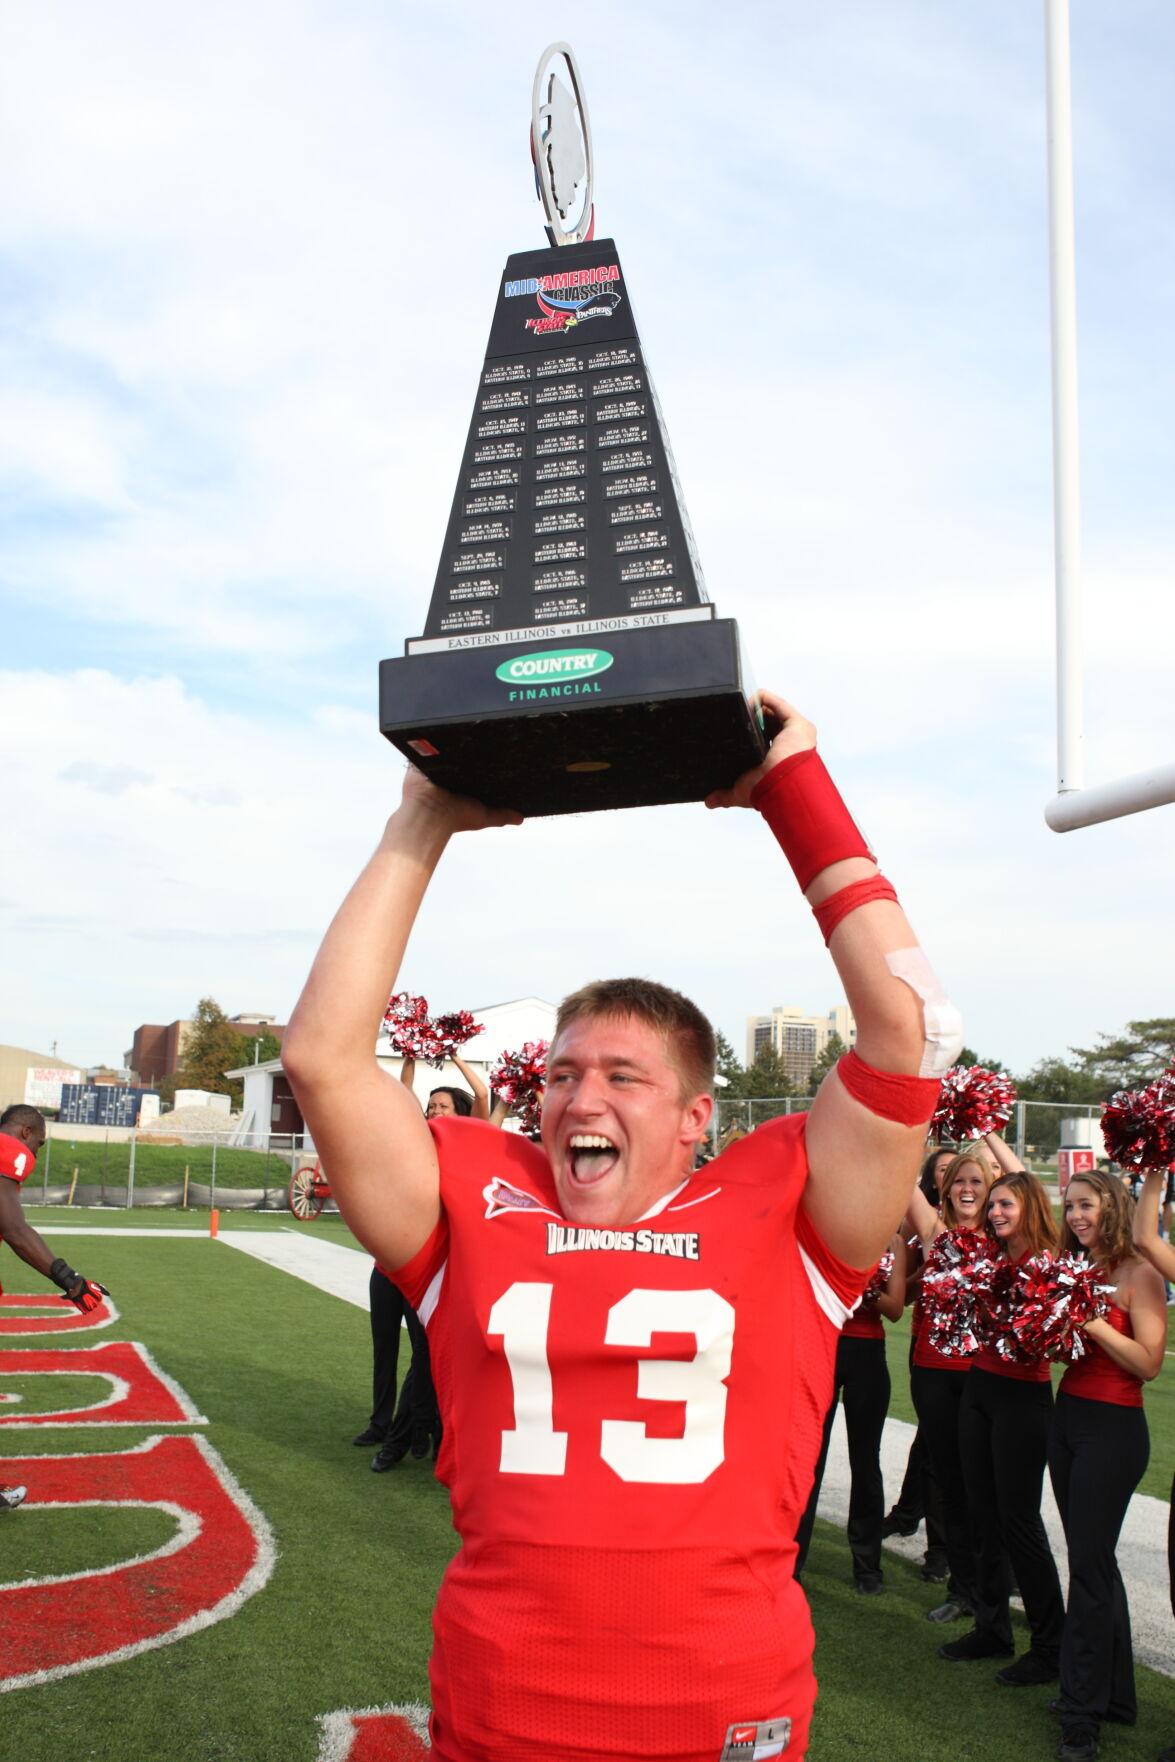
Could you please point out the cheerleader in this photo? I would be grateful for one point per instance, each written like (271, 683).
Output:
(1098, 1453)
(863, 1383)
(1162, 1257)
(1004, 1422)
(938, 1374)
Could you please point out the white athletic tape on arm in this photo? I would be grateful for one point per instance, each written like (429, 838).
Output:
(942, 1023)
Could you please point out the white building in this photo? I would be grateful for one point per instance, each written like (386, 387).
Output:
(798, 1038)
(268, 1107)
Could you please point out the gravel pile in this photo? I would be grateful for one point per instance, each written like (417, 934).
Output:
(194, 1125)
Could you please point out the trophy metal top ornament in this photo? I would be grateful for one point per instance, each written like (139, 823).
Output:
(571, 659)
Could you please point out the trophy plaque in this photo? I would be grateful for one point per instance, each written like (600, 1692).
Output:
(571, 659)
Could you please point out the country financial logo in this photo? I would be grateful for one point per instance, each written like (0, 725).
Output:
(554, 672)
(570, 297)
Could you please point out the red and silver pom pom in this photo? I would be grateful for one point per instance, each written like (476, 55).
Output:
(879, 1280)
(956, 1284)
(972, 1101)
(416, 1034)
(1139, 1125)
(518, 1079)
(1041, 1305)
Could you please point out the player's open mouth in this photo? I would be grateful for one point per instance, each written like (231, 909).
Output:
(591, 1157)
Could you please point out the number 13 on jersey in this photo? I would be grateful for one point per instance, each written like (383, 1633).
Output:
(521, 1318)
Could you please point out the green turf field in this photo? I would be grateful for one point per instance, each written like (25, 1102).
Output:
(282, 1373)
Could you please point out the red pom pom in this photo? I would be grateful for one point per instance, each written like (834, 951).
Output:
(518, 1079)
(415, 1034)
(956, 1284)
(1040, 1306)
(1139, 1125)
(879, 1279)
(973, 1101)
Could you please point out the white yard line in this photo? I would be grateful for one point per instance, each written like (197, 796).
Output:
(342, 1272)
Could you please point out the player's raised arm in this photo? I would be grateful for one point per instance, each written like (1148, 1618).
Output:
(367, 1126)
(867, 1126)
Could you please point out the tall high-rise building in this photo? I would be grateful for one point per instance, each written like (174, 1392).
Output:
(798, 1038)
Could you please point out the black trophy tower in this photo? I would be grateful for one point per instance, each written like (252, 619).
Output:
(571, 659)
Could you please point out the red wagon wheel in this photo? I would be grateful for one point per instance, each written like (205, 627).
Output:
(308, 1193)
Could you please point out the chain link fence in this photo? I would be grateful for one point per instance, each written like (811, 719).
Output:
(1036, 1130)
(200, 1171)
(230, 1172)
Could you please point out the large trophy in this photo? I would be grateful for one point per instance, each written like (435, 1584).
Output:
(571, 659)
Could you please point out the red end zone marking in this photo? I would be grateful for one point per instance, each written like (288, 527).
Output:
(397, 1733)
(51, 1315)
(140, 1393)
(223, 1553)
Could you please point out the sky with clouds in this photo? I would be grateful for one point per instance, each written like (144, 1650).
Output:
(248, 260)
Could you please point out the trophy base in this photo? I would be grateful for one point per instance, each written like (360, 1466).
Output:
(640, 718)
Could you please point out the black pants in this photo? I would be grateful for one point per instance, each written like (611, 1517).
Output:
(862, 1380)
(1098, 1453)
(1003, 1439)
(938, 1398)
(921, 1496)
(416, 1411)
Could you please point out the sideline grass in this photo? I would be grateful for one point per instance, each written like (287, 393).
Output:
(283, 1373)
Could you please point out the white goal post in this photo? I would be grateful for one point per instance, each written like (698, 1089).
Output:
(1074, 805)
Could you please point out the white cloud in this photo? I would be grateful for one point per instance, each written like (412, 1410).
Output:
(251, 256)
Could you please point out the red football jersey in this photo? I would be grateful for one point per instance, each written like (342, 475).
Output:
(632, 1419)
(16, 1159)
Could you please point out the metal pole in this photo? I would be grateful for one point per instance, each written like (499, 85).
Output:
(130, 1173)
(1066, 452)
(1020, 1132)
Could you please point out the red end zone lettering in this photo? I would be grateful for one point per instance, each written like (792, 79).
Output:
(396, 1733)
(222, 1553)
(46, 1314)
(139, 1392)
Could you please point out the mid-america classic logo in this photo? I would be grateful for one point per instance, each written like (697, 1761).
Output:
(569, 298)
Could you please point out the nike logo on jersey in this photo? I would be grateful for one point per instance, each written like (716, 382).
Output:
(681, 1244)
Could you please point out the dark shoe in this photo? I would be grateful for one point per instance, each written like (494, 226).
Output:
(421, 1443)
(936, 1568)
(1167, 1755)
(1027, 1672)
(1078, 1742)
(871, 1584)
(974, 1645)
(899, 1523)
(373, 1435)
(952, 1610)
(387, 1457)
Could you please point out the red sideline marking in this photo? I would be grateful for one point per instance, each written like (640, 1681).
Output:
(397, 1733)
(223, 1553)
(53, 1315)
(140, 1393)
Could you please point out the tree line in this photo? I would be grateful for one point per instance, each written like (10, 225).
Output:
(1086, 1075)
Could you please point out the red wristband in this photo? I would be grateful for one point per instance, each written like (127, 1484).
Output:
(803, 808)
(833, 910)
(910, 1101)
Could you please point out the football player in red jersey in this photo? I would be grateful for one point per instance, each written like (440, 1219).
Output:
(633, 1359)
(22, 1133)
